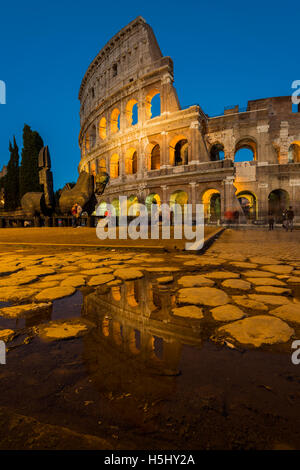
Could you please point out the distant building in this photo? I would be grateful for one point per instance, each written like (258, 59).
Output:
(183, 155)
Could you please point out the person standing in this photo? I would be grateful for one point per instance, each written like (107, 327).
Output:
(74, 215)
(290, 219)
(78, 215)
(271, 221)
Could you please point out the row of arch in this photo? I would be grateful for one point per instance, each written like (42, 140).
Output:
(113, 124)
(278, 201)
(246, 150)
(178, 155)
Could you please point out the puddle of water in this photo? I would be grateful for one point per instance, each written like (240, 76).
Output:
(67, 307)
(146, 379)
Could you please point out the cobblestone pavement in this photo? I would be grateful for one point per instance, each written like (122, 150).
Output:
(225, 321)
(260, 242)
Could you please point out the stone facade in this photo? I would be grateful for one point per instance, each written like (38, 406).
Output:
(182, 155)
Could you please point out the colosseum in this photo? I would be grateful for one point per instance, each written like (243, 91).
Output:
(182, 154)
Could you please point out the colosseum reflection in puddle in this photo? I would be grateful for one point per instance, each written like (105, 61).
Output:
(182, 155)
(136, 318)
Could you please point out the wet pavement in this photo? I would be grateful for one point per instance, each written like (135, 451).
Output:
(138, 376)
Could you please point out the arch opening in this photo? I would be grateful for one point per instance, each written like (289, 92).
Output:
(217, 152)
(115, 121)
(294, 153)
(102, 128)
(131, 163)
(248, 203)
(278, 202)
(245, 151)
(153, 105)
(132, 112)
(114, 166)
(211, 200)
(152, 199)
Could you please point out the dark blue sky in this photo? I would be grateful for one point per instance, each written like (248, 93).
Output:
(224, 53)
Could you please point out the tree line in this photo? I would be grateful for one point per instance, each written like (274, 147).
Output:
(24, 177)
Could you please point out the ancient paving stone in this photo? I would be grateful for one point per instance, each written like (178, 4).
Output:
(227, 312)
(204, 262)
(270, 299)
(19, 310)
(278, 269)
(266, 281)
(258, 330)
(70, 268)
(73, 281)
(190, 311)
(290, 312)
(222, 275)
(244, 301)
(272, 290)
(100, 279)
(165, 279)
(41, 285)
(162, 269)
(244, 265)
(8, 269)
(17, 279)
(236, 284)
(89, 266)
(115, 282)
(128, 274)
(203, 296)
(264, 260)
(293, 280)
(40, 271)
(62, 330)
(53, 293)
(195, 281)
(256, 273)
(6, 335)
(95, 272)
(15, 293)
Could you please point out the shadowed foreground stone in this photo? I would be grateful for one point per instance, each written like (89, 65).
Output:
(188, 312)
(258, 330)
(203, 296)
(227, 313)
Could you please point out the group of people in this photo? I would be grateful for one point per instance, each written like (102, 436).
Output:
(76, 213)
(288, 219)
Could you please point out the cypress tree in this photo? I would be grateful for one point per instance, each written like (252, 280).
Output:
(29, 171)
(11, 182)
